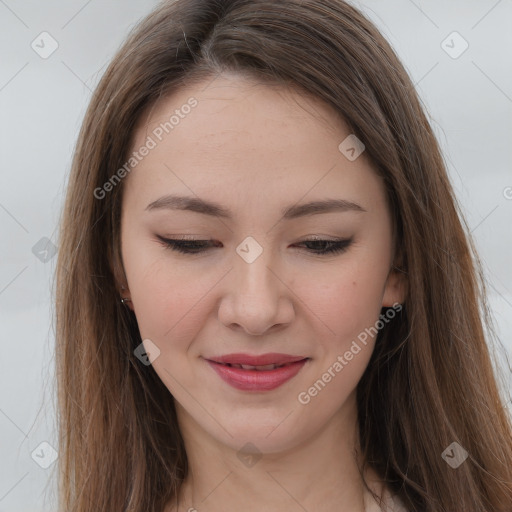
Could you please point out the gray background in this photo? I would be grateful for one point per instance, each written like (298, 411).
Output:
(42, 103)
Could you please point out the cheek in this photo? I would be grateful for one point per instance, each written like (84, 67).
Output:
(348, 306)
(171, 300)
(346, 300)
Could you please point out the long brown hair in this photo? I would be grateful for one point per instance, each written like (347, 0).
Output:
(430, 381)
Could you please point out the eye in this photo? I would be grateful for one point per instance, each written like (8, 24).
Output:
(185, 246)
(315, 246)
(328, 246)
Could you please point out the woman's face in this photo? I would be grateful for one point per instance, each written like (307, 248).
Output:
(235, 166)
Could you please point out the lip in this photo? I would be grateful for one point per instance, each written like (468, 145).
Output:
(257, 380)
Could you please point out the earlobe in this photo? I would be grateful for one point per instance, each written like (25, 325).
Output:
(125, 298)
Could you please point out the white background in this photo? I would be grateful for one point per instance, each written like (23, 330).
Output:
(42, 103)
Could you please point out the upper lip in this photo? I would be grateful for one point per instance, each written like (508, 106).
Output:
(257, 360)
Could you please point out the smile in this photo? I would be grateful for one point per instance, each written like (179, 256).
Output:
(237, 370)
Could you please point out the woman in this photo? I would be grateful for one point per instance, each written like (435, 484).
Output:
(265, 295)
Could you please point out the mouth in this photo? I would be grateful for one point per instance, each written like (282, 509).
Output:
(256, 361)
(261, 368)
(257, 373)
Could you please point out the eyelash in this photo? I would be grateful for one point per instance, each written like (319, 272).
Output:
(198, 246)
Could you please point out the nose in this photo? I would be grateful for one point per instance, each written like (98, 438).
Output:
(257, 299)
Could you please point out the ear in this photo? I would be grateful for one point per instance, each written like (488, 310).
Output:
(395, 290)
(121, 285)
(396, 287)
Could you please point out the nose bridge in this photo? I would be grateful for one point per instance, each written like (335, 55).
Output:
(252, 269)
(256, 299)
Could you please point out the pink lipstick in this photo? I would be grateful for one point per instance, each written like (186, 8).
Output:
(257, 372)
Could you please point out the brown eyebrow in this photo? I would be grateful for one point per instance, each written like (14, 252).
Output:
(194, 204)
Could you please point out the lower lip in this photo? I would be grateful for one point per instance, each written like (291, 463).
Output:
(257, 380)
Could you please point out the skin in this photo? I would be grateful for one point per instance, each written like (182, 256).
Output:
(256, 149)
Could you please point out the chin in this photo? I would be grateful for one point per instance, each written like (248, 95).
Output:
(269, 433)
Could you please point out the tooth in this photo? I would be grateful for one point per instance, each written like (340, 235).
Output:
(258, 368)
(267, 367)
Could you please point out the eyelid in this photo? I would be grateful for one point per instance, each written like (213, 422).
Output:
(200, 246)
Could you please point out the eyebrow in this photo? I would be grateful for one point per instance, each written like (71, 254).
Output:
(194, 204)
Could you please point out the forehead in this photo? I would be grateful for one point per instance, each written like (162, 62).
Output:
(233, 136)
(231, 101)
